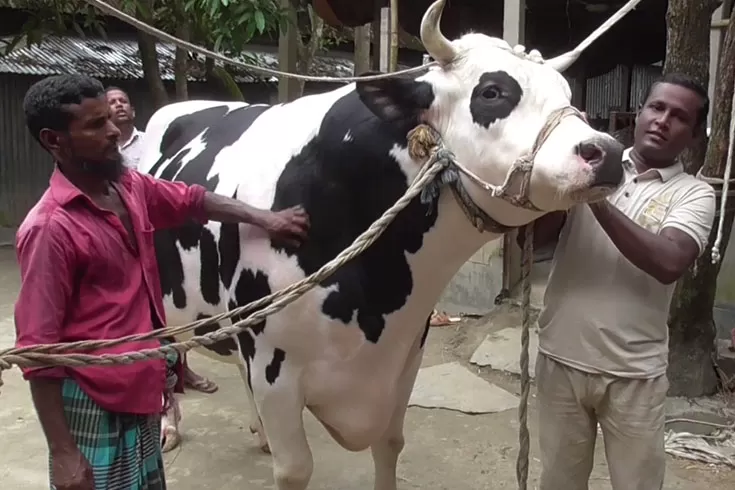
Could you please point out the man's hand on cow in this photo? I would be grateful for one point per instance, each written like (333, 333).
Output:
(290, 225)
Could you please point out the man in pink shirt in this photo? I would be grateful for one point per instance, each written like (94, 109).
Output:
(88, 271)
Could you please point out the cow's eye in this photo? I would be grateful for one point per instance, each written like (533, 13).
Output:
(491, 92)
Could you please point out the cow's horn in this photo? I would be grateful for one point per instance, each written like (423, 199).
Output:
(563, 61)
(438, 46)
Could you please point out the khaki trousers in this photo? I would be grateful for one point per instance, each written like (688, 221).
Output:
(630, 412)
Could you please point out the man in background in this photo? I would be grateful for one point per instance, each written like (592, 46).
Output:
(122, 114)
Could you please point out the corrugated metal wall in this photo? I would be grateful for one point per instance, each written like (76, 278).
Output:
(643, 76)
(607, 92)
(25, 167)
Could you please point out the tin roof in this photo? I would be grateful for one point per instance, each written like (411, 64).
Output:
(120, 59)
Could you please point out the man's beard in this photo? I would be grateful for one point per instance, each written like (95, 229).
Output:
(110, 169)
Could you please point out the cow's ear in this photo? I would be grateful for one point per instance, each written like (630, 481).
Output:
(396, 100)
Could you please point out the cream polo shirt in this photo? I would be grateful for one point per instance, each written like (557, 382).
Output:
(131, 149)
(601, 313)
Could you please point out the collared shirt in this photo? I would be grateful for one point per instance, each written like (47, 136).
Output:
(132, 148)
(601, 313)
(82, 279)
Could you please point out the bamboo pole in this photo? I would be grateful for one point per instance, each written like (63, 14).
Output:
(393, 35)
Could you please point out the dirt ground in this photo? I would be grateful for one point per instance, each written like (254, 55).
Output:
(444, 449)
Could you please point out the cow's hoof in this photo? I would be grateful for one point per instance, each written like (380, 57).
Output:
(262, 442)
(171, 439)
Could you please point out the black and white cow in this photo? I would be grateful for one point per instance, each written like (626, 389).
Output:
(349, 350)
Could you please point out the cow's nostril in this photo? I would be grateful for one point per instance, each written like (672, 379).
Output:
(590, 153)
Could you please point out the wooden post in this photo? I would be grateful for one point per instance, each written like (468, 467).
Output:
(375, 35)
(393, 64)
(362, 49)
(288, 88)
(384, 39)
(514, 32)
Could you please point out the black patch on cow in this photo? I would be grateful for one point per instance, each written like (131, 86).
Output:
(273, 369)
(494, 97)
(208, 275)
(170, 267)
(345, 187)
(229, 252)
(220, 129)
(224, 347)
(250, 287)
(398, 102)
(425, 335)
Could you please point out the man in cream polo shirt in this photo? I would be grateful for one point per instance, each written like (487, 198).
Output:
(603, 334)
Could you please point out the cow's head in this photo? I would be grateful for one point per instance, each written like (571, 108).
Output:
(489, 103)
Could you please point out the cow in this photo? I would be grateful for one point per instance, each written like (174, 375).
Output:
(350, 348)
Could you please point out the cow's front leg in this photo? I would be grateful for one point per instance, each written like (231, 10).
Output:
(281, 407)
(256, 425)
(389, 447)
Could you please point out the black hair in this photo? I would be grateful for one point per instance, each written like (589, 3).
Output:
(690, 83)
(44, 103)
(115, 87)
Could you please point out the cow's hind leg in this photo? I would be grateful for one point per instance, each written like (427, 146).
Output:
(256, 425)
(387, 450)
(281, 407)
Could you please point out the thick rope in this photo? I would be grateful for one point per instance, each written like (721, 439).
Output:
(725, 186)
(523, 435)
(50, 354)
(180, 43)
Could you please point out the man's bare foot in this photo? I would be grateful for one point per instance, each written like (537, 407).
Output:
(200, 383)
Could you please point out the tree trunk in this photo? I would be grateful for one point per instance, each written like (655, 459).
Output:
(307, 52)
(687, 51)
(149, 59)
(181, 62)
(220, 76)
(691, 325)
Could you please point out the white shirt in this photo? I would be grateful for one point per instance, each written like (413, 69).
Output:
(601, 313)
(131, 149)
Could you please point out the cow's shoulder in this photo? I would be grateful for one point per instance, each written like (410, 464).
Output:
(346, 177)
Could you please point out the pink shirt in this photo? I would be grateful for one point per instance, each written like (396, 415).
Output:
(81, 279)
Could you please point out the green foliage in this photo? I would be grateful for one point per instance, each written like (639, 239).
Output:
(54, 17)
(228, 25)
(225, 25)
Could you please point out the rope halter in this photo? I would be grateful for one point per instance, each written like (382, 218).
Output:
(423, 137)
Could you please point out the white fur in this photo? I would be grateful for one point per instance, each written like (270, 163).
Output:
(357, 389)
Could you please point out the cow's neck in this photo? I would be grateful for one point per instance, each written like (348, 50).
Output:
(449, 244)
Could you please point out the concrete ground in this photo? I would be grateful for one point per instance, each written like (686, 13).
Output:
(445, 449)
